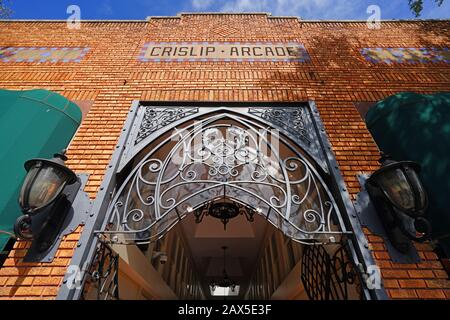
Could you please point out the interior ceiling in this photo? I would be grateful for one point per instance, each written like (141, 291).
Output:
(243, 239)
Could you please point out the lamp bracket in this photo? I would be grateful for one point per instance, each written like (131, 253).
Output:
(368, 217)
(79, 206)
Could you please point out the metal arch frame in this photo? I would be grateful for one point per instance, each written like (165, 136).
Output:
(358, 244)
(74, 280)
(88, 242)
(121, 219)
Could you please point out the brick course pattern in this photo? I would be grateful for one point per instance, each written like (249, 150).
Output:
(336, 77)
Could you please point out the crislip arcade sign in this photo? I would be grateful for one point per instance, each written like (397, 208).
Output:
(224, 51)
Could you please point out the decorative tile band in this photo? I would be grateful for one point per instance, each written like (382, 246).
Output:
(223, 51)
(406, 55)
(41, 54)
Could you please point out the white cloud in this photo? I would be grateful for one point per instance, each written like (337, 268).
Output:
(201, 4)
(322, 9)
(245, 6)
(106, 8)
(299, 7)
(306, 9)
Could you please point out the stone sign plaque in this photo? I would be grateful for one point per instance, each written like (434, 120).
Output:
(224, 51)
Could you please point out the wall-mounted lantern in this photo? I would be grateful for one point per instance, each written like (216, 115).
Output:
(46, 198)
(44, 182)
(400, 201)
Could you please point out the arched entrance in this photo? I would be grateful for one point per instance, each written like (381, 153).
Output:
(227, 161)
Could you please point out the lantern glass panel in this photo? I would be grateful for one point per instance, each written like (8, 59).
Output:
(421, 194)
(397, 187)
(46, 185)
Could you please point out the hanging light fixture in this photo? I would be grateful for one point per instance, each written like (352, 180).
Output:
(225, 282)
(224, 210)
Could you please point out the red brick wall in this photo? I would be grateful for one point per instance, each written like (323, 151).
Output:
(336, 78)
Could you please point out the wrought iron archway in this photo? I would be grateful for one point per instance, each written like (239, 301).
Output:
(217, 153)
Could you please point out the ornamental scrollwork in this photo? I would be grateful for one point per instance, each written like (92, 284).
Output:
(223, 155)
(330, 276)
(291, 119)
(102, 281)
(157, 118)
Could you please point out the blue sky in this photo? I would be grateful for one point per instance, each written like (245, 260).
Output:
(306, 9)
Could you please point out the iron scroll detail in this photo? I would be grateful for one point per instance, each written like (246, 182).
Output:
(328, 276)
(221, 154)
(297, 123)
(103, 274)
(157, 118)
(291, 119)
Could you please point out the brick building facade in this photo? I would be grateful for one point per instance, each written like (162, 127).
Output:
(336, 76)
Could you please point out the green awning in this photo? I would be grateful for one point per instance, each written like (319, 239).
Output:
(416, 127)
(34, 123)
